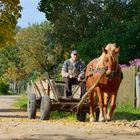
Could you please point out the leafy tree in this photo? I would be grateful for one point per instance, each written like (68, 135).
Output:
(37, 51)
(10, 71)
(34, 53)
(9, 13)
(73, 20)
(88, 25)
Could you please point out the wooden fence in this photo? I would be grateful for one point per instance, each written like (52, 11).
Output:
(127, 92)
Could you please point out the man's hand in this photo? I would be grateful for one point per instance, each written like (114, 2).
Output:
(79, 79)
(70, 76)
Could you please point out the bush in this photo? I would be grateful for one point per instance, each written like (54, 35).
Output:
(4, 88)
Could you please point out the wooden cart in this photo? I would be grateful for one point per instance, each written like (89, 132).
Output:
(49, 95)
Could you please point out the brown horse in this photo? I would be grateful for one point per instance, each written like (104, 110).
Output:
(107, 88)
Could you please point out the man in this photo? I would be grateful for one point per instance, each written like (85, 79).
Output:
(72, 72)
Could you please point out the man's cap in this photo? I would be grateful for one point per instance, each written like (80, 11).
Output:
(74, 52)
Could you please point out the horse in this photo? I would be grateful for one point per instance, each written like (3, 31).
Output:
(106, 90)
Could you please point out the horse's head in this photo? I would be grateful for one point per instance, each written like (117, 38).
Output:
(110, 59)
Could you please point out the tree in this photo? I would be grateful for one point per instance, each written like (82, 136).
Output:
(9, 13)
(88, 25)
(33, 54)
(38, 52)
(73, 20)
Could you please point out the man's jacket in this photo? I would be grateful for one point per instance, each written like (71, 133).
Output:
(72, 69)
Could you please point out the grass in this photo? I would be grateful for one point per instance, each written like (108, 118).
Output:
(63, 115)
(126, 112)
(122, 112)
(21, 102)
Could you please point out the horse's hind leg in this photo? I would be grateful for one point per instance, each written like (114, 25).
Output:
(106, 101)
(91, 108)
(101, 104)
(112, 107)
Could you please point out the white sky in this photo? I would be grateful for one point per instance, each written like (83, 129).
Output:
(30, 13)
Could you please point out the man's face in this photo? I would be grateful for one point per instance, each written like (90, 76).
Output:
(74, 56)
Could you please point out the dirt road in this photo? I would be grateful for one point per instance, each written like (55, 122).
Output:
(15, 125)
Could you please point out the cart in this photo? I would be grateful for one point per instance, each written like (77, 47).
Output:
(49, 95)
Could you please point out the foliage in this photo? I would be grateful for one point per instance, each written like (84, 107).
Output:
(9, 14)
(11, 69)
(38, 52)
(4, 87)
(89, 25)
(10, 60)
(127, 112)
(34, 53)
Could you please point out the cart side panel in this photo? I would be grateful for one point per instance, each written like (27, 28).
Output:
(39, 88)
(78, 92)
(54, 89)
(46, 87)
(31, 88)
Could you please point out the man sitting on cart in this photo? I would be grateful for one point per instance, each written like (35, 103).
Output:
(72, 72)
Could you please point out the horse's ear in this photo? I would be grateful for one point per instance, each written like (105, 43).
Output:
(117, 50)
(104, 50)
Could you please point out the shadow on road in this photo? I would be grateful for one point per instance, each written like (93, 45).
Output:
(12, 110)
(51, 137)
(12, 116)
(12, 113)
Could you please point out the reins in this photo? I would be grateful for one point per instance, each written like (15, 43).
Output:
(79, 106)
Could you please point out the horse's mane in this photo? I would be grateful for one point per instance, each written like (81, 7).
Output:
(110, 49)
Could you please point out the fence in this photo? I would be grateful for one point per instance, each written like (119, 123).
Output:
(129, 91)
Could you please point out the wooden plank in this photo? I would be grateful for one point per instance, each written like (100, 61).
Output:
(39, 88)
(61, 89)
(46, 87)
(126, 93)
(54, 89)
(32, 89)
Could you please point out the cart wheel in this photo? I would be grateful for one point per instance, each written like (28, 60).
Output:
(81, 116)
(45, 108)
(31, 106)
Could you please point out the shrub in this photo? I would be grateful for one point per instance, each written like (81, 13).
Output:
(4, 88)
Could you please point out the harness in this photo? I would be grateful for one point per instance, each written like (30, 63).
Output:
(93, 70)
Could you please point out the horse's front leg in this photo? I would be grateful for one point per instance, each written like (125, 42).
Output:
(112, 107)
(101, 104)
(92, 117)
(105, 107)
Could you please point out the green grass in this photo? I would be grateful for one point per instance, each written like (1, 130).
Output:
(21, 102)
(126, 112)
(63, 115)
(122, 112)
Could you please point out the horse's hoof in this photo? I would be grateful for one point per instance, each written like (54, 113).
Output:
(101, 119)
(108, 118)
(92, 120)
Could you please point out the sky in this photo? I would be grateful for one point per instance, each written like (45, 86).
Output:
(30, 13)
